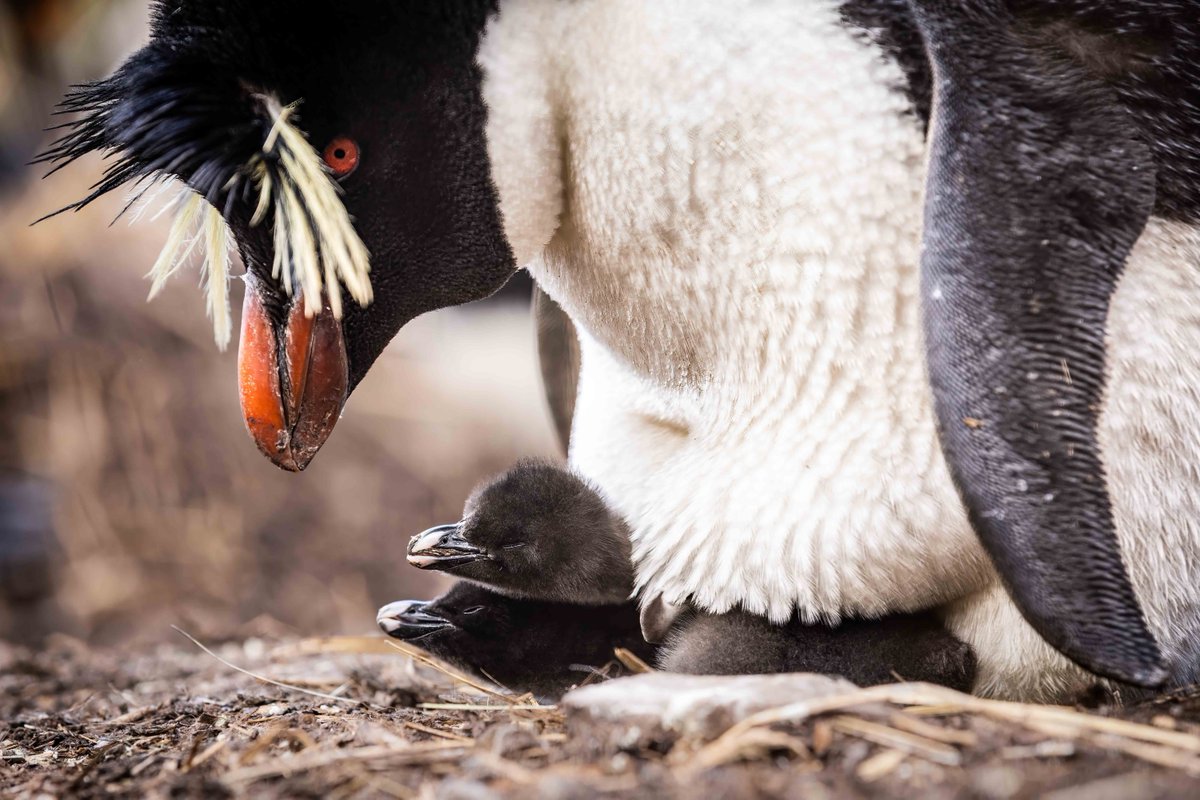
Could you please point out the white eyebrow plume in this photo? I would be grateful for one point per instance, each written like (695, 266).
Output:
(316, 246)
(198, 224)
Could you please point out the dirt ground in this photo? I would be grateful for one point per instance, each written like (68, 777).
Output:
(139, 503)
(175, 721)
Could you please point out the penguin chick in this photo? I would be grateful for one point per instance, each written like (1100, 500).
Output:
(537, 532)
(914, 647)
(524, 645)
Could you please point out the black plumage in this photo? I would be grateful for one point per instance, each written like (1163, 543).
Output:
(398, 76)
(525, 645)
(911, 647)
(537, 531)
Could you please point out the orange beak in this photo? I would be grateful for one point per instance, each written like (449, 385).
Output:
(293, 381)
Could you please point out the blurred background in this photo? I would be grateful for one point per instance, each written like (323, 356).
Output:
(131, 497)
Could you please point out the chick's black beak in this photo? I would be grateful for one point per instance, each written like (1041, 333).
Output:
(443, 548)
(293, 378)
(409, 619)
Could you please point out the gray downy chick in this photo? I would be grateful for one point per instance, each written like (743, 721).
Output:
(524, 645)
(537, 532)
(910, 647)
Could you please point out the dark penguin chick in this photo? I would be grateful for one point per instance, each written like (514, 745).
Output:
(524, 645)
(536, 532)
(912, 647)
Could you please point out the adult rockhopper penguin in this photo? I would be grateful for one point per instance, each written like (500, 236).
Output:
(881, 306)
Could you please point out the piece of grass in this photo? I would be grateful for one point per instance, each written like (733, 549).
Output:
(631, 661)
(1155, 745)
(264, 678)
(424, 658)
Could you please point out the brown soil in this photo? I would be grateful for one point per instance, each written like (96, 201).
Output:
(174, 721)
(159, 510)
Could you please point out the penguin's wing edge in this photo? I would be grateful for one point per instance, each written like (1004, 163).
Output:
(558, 357)
(1038, 187)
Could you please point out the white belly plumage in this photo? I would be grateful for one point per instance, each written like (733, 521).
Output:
(727, 202)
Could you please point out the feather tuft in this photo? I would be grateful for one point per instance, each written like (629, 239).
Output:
(181, 240)
(317, 248)
(216, 275)
(198, 224)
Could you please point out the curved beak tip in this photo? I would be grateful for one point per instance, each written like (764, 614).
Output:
(409, 619)
(442, 547)
(293, 379)
(390, 616)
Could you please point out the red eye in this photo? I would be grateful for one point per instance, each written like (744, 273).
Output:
(342, 156)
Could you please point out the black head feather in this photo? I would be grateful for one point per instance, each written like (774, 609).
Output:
(154, 118)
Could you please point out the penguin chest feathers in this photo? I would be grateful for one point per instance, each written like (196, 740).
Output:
(726, 199)
(738, 240)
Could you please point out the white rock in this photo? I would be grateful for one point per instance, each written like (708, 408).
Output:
(625, 711)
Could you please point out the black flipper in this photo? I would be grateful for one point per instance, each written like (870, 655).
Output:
(558, 355)
(1038, 187)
